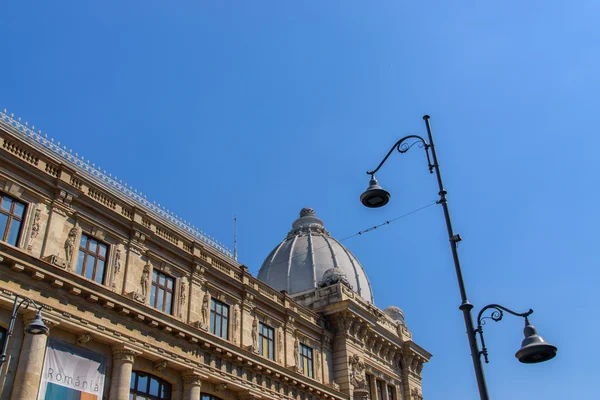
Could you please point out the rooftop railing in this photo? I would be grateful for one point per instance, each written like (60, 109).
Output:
(100, 177)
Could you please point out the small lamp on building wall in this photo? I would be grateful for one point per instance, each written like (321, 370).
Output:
(35, 327)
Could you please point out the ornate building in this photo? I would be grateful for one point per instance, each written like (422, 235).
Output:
(141, 305)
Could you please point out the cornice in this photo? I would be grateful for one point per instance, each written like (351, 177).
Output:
(186, 334)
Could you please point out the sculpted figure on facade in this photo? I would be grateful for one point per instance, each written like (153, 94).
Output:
(236, 322)
(35, 228)
(205, 304)
(182, 296)
(357, 372)
(318, 366)
(145, 281)
(70, 245)
(297, 354)
(117, 268)
(280, 345)
(255, 333)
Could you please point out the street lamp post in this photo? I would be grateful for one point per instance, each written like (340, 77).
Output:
(375, 196)
(35, 327)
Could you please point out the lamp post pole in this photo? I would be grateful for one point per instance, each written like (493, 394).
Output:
(534, 348)
(377, 197)
(465, 306)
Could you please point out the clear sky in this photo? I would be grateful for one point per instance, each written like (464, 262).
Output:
(259, 108)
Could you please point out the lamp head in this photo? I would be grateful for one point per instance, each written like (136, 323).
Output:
(37, 326)
(375, 196)
(534, 348)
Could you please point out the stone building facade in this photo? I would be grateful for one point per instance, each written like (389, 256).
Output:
(170, 312)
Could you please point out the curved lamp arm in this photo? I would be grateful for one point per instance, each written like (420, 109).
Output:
(495, 316)
(26, 302)
(403, 147)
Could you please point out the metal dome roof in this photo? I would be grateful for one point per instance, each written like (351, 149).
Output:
(298, 263)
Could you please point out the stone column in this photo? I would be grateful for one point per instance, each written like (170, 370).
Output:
(192, 386)
(120, 381)
(31, 362)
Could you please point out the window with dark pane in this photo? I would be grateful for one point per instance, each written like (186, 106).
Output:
(2, 337)
(391, 391)
(209, 397)
(379, 390)
(219, 318)
(91, 260)
(148, 387)
(266, 340)
(306, 360)
(11, 219)
(368, 379)
(161, 295)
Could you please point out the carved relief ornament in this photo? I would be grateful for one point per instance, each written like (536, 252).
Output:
(357, 372)
(124, 355)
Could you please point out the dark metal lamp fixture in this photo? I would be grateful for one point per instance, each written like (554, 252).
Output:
(533, 349)
(35, 327)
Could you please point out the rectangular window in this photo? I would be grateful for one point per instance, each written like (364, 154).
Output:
(91, 260)
(368, 380)
(390, 392)
(266, 341)
(306, 360)
(379, 390)
(2, 337)
(11, 219)
(219, 318)
(161, 295)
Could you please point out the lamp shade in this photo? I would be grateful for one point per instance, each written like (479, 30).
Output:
(375, 196)
(534, 348)
(37, 326)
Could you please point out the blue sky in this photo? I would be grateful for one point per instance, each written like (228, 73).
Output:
(260, 108)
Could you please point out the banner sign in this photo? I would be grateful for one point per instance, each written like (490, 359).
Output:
(72, 373)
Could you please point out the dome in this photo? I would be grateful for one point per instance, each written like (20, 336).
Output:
(309, 257)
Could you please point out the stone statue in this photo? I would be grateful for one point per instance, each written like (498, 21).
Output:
(70, 245)
(182, 296)
(318, 366)
(205, 303)
(280, 343)
(236, 323)
(35, 228)
(118, 261)
(297, 354)
(145, 281)
(255, 333)
(357, 373)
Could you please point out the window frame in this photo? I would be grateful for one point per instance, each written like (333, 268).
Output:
(269, 340)
(369, 388)
(10, 217)
(306, 360)
(156, 287)
(3, 333)
(222, 317)
(390, 392)
(135, 375)
(379, 388)
(87, 253)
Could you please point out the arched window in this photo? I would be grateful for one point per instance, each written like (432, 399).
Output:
(148, 387)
